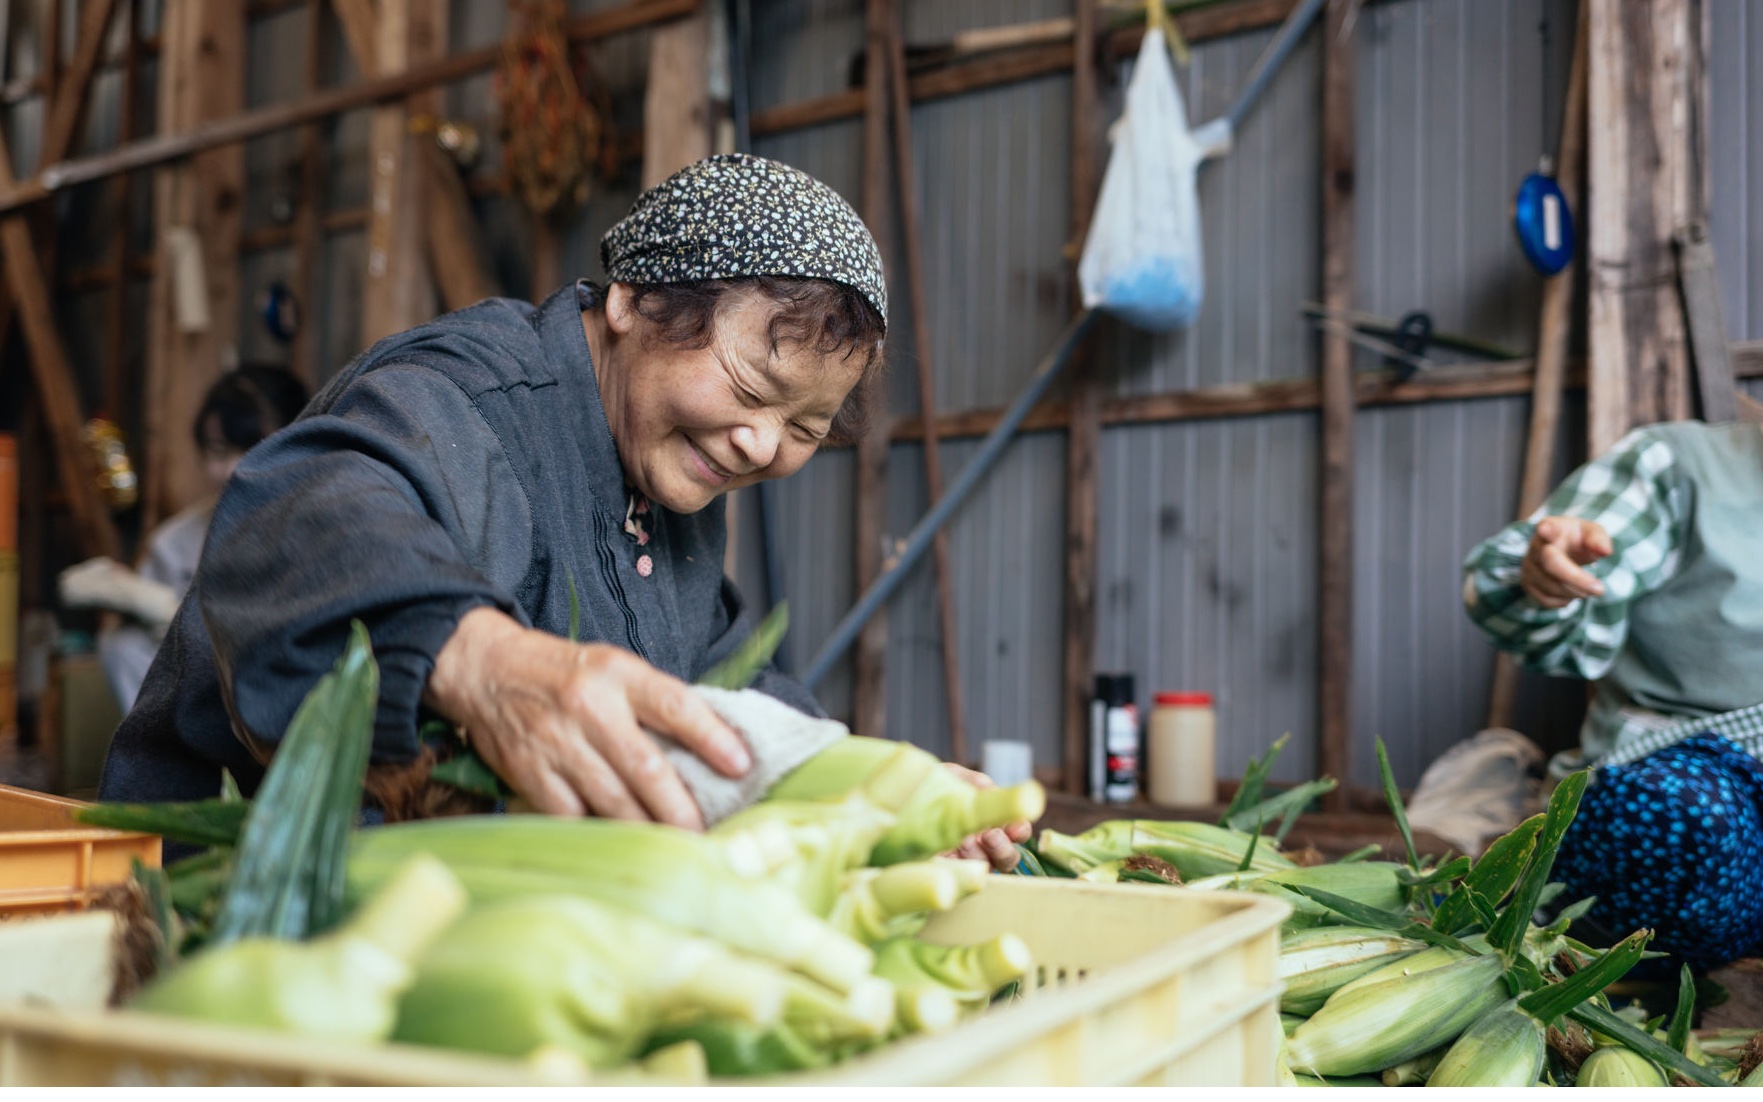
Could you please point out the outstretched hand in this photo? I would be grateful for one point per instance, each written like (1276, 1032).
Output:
(1552, 573)
(997, 845)
(567, 725)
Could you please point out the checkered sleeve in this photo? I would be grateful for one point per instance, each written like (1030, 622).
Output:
(1635, 492)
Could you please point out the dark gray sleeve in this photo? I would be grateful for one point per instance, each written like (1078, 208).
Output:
(736, 623)
(396, 507)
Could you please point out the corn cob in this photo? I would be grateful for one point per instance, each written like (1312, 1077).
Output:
(1505, 1047)
(668, 874)
(877, 904)
(1373, 883)
(831, 838)
(941, 811)
(1196, 849)
(340, 985)
(556, 970)
(1433, 956)
(1619, 1066)
(1316, 963)
(1366, 1027)
(970, 973)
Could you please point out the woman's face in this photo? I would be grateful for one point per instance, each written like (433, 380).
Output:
(692, 423)
(219, 455)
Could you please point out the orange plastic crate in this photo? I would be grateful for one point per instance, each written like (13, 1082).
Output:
(49, 862)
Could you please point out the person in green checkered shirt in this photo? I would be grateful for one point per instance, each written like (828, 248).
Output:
(1643, 573)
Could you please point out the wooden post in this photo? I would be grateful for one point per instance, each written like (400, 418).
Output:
(398, 292)
(53, 377)
(1554, 328)
(868, 689)
(1640, 190)
(676, 103)
(1339, 157)
(1084, 433)
(116, 324)
(308, 233)
(193, 308)
(52, 372)
(901, 105)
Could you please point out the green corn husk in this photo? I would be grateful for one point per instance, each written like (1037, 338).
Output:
(1197, 850)
(1619, 1066)
(1505, 1047)
(590, 979)
(1287, 1023)
(1366, 1027)
(1374, 884)
(972, 974)
(940, 812)
(1315, 963)
(831, 838)
(341, 985)
(670, 875)
(1754, 1079)
(1299, 1079)
(877, 904)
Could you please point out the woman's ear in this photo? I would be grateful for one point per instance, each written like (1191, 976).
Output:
(621, 313)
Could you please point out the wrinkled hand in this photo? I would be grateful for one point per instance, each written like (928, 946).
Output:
(564, 723)
(1551, 573)
(997, 845)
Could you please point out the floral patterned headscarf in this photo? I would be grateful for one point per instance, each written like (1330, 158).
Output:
(735, 215)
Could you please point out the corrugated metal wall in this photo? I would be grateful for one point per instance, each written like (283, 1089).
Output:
(1207, 529)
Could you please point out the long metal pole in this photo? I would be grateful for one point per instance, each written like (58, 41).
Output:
(920, 538)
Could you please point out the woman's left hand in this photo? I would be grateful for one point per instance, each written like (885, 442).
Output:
(998, 845)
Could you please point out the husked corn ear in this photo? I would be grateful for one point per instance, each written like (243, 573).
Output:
(1364, 1028)
(1618, 1066)
(1505, 1047)
(1317, 962)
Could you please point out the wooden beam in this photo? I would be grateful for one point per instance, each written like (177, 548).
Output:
(65, 110)
(868, 688)
(906, 184)
(676, 99)
(193, 312)
(1083, 440)
(1641, 187)
(456, 248)
(305, 230)
(971, 74)
(52, 377)
(1371, 388)
(397, 291)
(28, 285)
(1335, 607)
(1554, 328)
(118, 378)
(241, 126)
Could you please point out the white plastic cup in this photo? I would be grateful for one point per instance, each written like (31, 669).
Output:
(1007, 761)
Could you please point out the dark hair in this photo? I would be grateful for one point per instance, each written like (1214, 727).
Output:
(825, 316)
(250, 403)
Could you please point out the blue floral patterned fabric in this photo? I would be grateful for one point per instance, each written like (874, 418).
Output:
(1674, 842)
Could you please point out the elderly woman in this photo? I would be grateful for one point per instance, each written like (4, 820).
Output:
(459, 486)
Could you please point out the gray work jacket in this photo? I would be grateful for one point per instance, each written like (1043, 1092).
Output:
(465, 462)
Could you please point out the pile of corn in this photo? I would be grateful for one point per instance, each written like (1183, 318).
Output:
(784, 938)
(1426, 972)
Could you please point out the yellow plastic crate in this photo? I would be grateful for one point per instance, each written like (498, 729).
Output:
(50, 863)
(1137, 985)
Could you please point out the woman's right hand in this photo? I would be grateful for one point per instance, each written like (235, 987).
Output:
(564, 723)
(1551, 573)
